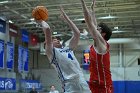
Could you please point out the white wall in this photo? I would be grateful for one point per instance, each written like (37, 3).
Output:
(127, 74)
(121, 74)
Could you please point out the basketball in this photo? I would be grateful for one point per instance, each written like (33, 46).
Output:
(40, 13)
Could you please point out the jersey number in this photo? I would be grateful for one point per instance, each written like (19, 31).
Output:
(69, 56)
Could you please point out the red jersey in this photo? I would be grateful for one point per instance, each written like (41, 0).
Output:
(100, 67)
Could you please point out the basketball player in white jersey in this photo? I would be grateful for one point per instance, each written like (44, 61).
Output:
(64, 60)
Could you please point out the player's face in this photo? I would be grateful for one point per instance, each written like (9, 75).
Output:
(56, 43)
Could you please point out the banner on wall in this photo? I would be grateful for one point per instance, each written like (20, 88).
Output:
(10, 55)
(2, 26)
(25, 35)
(25, 59)
(13, 30)
(20, 58)
(1, 54)
(28, 84)
(7, 83)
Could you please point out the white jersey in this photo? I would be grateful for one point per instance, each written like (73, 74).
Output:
(69, 71)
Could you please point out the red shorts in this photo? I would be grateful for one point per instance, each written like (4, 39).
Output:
(96, 88)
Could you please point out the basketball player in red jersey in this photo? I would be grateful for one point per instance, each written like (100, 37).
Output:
(100, 75)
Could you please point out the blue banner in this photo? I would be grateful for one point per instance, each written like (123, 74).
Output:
(1, 54)
(25, 35)
(2, 84)
(28, 84)
(2, 26)
(25, 59)
(10, 55)
(20, 58)
(7, 84)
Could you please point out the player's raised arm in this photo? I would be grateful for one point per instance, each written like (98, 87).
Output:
(76, 33)
(48, 39)
(99, 41)
(40, 17)
(93, 12)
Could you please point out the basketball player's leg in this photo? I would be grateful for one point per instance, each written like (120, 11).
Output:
(106, 89)
(110, 89)
(94, 87)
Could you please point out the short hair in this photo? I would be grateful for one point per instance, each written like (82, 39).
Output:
(105, 29)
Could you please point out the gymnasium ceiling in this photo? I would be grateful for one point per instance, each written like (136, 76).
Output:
(125, 21)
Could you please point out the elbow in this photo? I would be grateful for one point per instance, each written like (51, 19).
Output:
(78, 35)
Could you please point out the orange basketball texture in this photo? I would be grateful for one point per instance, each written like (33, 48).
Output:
(40, 13)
